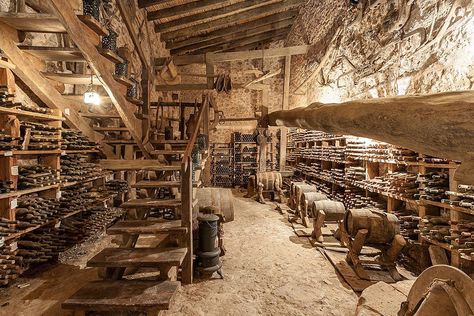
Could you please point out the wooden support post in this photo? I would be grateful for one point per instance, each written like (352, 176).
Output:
(286, 101)
(318, 225)
(187, 218)
(182, 123)
(130, 176)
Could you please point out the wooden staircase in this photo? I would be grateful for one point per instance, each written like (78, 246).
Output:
(172, 256)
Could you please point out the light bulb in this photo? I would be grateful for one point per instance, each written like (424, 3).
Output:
(92, 97)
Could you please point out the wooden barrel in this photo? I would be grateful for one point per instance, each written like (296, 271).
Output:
(309, 197)
(220, 198)
(303, 188)
(382, 227)
(270, 180)
(334, 210)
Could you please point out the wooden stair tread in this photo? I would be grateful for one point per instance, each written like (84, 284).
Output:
(146, 227)
(110, 55)
(47, 53)
(33, 22)
(119, 141)
(110, 129)
(145, 203)
(171, 141)
(93, 24)
(138, 257)
(167, 152)
(99, 115)
(123, 80)
(72, 78)
(123, 295)
(80, 98)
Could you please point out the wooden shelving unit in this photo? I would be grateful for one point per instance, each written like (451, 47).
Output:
(222, 165)
(245, 155)
(312, 155)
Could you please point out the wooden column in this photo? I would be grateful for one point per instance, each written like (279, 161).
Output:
(187, 217)
(286, 101)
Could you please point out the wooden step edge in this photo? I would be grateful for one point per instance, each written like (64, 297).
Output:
(146, 227)
(93, 24)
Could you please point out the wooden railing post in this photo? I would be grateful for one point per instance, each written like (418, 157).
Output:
(187, 217)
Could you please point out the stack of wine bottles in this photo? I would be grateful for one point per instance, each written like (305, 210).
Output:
(76, 168)
(355, 175)
(8, 142)
(408, 223)
(435, 228)
(464, 197)
(120, 186)
(6, 186)
(6, 227)
(75, 140)
(433, 186)
(40, 136)
(462, 238)
(37, 176)
(9, 263)
(33, 210)
(6, 100)
(353, 197)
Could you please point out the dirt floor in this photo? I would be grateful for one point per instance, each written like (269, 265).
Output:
(267, 271)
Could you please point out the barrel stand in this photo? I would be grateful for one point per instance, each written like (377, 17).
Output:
(385, 260)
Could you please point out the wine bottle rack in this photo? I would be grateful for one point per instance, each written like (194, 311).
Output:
(222, 165)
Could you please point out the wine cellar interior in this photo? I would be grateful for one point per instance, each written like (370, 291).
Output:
(247, 157)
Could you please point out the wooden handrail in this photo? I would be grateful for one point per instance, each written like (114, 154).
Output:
(192, 140)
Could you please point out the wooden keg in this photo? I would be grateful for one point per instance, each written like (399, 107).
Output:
(382, 227)
(334, 210)
(303, 188)
(309, 197)
(219, 198)
(270, 180)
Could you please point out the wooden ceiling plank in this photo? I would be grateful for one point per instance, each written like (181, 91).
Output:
(263, 37)
(229, 21)
(211, 14)
(86, 40)
(274, 18)
(28, 69)
(183, 9)
(255, 45)
(257, 54)
(192, 49)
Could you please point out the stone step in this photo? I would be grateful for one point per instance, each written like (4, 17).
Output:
(138, 257)
(151, 203)
(146, 227)
(123, 296)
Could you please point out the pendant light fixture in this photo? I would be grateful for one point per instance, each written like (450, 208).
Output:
(91, 96)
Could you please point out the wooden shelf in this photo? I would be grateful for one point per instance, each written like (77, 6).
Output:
(47, 53)
(73, 183)
(28, 191)
(29, 114)
(83, 151)
(93, 24)
(110, 55)
(449, 207)
(30, 152)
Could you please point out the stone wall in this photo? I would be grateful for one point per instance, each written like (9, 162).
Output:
(383, 48)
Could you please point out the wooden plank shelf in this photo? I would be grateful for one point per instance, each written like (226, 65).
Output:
(93, 24)
(30, 152)
(119, 141)
(72, 78)
(28, 191)
(110, 55)
(82, 151)
(73, 183)
(47, 53)
(33, 22)
(123, 80)
(30, 114)
(449, 207)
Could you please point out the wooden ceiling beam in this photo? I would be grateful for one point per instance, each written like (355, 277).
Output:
(255, 45)
(196, 48)
(182, 87)
(230, 20)
(246, 41)
(181, 9)
(87, 40)
(274, 18)
(28, 69)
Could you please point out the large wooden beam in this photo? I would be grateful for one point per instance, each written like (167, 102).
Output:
(439, 125)
(231, 20)
(182, 87)
(234, 56)
(148, 3)
(233, 37)
(183, 9)
(262, 38)
(28, 69)
(87, 41)
(255, 45)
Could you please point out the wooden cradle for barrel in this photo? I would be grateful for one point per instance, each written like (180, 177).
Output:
(306, 202)
(219, 198)
(325, 211)
(300, 190)
(381, 226)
